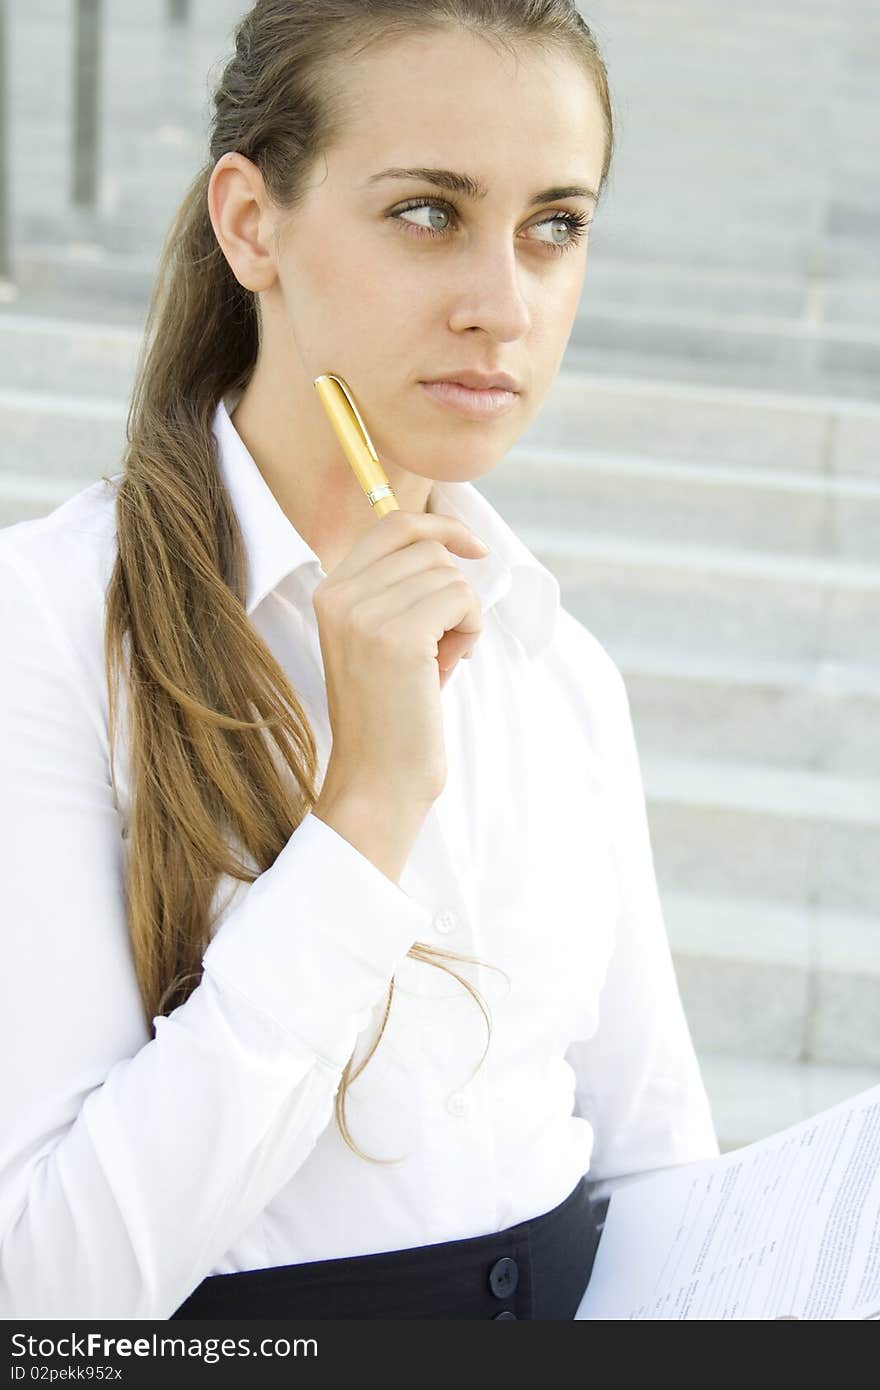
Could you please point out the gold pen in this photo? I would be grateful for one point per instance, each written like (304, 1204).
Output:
(350, 430)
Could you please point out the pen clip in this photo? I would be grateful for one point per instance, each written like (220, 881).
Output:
(357, 415)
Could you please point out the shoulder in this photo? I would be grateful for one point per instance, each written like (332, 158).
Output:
(585, 669)
(69, 553)
(54, 573)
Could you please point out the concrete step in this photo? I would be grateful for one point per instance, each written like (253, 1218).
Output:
(834, 369)
(608, 493)
(752, 1099)
(791, 346)
(836, 303)
(683, 421)
(793, 836)
(761, 979)
(718, 604)
(47, 435)
(822, 714)
(64, 357)
(81, 284)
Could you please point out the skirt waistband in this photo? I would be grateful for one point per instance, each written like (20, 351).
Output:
(537, 1269)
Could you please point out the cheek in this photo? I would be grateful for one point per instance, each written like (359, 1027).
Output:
(328, 263)
(573, 297)
(553, 326)
(370, 296)
(566, 294)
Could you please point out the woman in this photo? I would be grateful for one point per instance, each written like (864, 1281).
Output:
(184, 1047)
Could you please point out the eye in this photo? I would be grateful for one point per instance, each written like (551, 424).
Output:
(574, 224)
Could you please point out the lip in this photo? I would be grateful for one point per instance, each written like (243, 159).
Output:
(482, 381)
(482, 404)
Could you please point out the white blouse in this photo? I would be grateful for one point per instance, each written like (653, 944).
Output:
(132, 1167)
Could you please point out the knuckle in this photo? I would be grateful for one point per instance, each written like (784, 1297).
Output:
(461, 586)
(437, 552)
(389, 637)
(358, 620)
(410, 523)
(326, 598)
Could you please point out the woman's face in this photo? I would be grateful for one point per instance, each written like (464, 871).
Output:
(388, 295)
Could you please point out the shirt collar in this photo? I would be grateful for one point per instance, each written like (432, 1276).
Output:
(510, 579)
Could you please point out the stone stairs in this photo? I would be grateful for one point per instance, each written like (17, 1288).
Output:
(704, 478)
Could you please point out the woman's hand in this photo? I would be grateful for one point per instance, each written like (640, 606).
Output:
(394, 617)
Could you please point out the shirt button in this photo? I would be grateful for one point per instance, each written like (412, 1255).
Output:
(505, 1316)
(458, 1103)
(445, 921)
(503, 1277)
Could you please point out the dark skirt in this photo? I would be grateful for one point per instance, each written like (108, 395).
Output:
(539, 1268)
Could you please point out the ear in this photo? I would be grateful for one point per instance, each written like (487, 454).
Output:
(243, 220)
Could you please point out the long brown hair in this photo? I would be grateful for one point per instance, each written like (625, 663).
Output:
(201, 685)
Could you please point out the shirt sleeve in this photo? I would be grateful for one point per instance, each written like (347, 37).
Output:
(638, 1080)
(130, 1164)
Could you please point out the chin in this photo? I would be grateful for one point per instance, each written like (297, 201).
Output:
(466, 470)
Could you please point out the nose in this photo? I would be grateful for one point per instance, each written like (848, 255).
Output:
(489, 294)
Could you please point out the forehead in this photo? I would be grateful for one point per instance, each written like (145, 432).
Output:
(453, 99)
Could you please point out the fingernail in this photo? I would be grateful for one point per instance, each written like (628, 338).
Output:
(482, 544)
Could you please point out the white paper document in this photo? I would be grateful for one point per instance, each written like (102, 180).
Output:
(788, 1225)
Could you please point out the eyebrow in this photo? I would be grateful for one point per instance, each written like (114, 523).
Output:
(471, 188)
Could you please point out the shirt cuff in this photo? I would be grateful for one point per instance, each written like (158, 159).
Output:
(317, 939)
